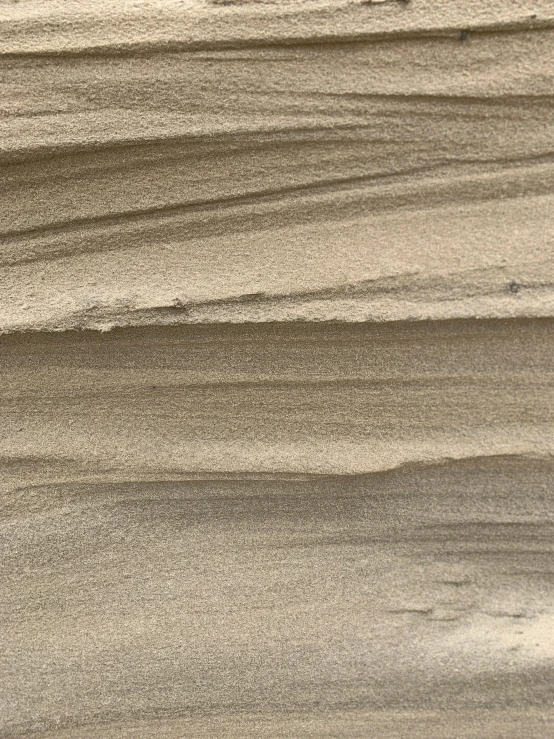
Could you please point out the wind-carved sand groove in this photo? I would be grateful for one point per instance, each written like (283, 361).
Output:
(277, 399)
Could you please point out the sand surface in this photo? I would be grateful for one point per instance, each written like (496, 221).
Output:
(276, 376)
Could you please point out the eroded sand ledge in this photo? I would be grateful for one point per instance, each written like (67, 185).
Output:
(324, 509)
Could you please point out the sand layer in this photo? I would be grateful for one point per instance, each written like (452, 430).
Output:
(266, 530)
(276, 378)
(304, 170)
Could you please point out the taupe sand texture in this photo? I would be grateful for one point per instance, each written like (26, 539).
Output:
(276, 376)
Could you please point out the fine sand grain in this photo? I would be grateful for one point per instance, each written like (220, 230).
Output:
(276, 369)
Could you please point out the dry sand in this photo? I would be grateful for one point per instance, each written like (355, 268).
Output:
(277, 416)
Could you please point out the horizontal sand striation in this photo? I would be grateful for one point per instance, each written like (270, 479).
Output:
(186, 547)
(174, 177)
(281, 398)
(276, 378)
(178, 606)
(64, 27)
(392, 724)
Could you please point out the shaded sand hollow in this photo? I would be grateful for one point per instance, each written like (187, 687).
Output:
(276, 377)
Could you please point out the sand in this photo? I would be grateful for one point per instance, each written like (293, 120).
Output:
(276, 340)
